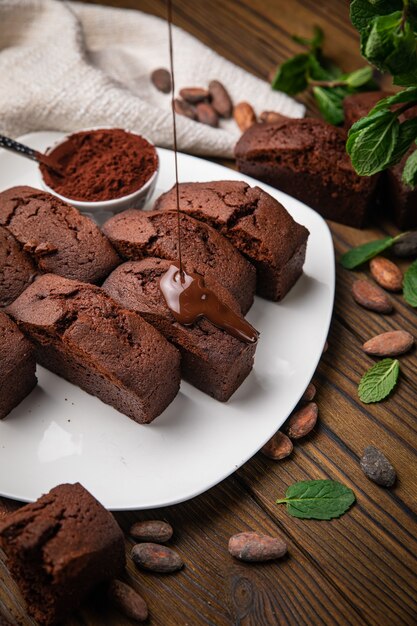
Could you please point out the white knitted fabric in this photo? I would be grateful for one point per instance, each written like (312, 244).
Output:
(70, 66)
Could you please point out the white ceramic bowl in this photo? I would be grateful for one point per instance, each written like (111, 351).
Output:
(100, 211)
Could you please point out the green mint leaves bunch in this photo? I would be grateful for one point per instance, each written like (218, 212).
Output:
(329, 84)
(388, 30)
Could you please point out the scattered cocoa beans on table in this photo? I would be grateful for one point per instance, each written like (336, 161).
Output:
(377, 468)
(185, 108)
(253, 547)
(194, 94)
(156, 558)
(244, 115)
(278, 447)
(155, 531)
(127, 601)
(302, 421)
(309, 394)
(220, 99)
(206, 114)
(389, 344)
(386, 273)
(371, 296)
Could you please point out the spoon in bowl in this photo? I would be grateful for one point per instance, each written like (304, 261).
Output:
(30, 153)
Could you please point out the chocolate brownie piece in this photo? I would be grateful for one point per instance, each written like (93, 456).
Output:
(254, 222)
(58, 238)
(138, 234)
(16, 268)
(60, 548)
(80, 333)
(211, 359)
(17, 366)
(307, 159)
(400, 200)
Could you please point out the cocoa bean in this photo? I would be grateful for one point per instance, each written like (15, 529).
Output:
(156, 558)
(253, 547)
(184, 108)
(376, 467)
(161, 79)
(127, 600)
(271, 117)
(392, 343)
(207, 115)
(193, 95)
(309, 394)
(371, 296)
(406, 246)
(386, 273)
(244, 115)
(302, 421)
(278, 447)
(220, 99)
(152, 530)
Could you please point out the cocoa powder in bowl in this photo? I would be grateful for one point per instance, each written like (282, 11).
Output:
(102, 164)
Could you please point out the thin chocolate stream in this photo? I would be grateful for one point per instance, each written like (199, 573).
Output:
(189, 299)
(186, 295)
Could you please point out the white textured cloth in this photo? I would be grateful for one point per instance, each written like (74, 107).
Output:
(67, 66)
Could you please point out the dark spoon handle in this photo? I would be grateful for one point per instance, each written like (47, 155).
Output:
(20, 148)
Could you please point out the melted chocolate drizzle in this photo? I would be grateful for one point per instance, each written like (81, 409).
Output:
(189, 299)
(186, 295)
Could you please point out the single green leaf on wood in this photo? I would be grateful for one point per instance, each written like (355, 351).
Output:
(317, 499)
(372, 147)
(356, 256)
(330, 104)
(410, 284)
(291, 76)
(378, 382)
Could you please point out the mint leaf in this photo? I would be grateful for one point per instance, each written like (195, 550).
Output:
(330, 104)
(410, 283)
(406, 135)
(291, 77)
(406, 95)
(359, 77)
(410, 170)
(315, 43)
(390, 44)
(356, 256)
(372, 147)
(318, 499)
(378, 382)
(362, 11)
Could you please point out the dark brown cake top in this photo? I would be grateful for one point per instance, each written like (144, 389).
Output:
(62, 528)
(17, 269)
(56, 235)
(135, 285)
(252, 219)
(303, 145)
(14, 347)
(85, 319)
(137, 234)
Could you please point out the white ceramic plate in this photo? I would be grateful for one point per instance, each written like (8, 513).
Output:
(61, 434)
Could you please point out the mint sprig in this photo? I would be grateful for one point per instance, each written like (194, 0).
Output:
(317, 499)
(356, 256)
(378, 382)
(410, 285)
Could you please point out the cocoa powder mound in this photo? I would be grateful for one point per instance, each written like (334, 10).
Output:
(101, 165)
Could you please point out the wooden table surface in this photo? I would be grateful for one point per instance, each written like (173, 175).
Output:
(360, 569)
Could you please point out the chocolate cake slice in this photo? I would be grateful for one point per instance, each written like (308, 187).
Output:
(17, 366)
(59, 549)
(254, 222)
(138, 234)
(398, 198)
(307, 159)
(83, 335)
(17, 269)
(211, 359)
(58, 238)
